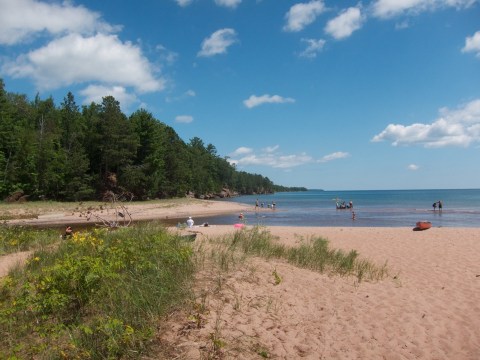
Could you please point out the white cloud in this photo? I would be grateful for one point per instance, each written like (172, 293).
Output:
(391, 8)
(241, 151)
(20, 20)
(413, 167)
(185, 119)
(313, 47)
(334, 156)
(472, 44)
(184, 3)
(460, 127)
(254, 100)
(77, 59)
(228, 3)
(272, 157)
(218, 42)
(303, 14)
(95, 93)
(269, 157)
(345, 24)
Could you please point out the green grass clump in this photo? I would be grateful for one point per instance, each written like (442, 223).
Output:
(315, 255)
(18, 238)
(98, 295)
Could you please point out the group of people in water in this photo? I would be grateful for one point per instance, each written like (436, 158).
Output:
(438, 204)
(262, 204)
(344, 205)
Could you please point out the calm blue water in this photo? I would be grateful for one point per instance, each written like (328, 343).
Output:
(378, 208)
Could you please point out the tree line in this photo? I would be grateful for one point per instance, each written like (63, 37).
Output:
(73, 153)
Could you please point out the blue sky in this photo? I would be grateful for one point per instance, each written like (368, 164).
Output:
(381, 94)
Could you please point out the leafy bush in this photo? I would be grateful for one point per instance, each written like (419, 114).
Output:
(99, 295)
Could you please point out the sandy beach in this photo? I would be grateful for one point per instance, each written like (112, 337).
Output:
(427, 308)
(178, 209)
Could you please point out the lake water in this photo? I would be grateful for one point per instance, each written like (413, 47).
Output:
(374, 208)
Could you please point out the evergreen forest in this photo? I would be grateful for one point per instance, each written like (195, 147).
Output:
(73, 153)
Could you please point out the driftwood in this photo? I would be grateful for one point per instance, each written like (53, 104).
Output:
(114, 213)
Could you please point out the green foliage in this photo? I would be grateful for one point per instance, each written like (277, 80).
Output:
(65, 153)
(17, 238)
(98, 295)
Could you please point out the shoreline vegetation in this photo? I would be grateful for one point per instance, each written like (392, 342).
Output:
(220, 292)
(102, 294)
(84, 152)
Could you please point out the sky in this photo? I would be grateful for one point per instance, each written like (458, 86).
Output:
(333, 95)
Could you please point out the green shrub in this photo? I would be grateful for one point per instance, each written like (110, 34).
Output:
(98, 295)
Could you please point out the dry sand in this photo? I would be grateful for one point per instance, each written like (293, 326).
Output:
(428, 307)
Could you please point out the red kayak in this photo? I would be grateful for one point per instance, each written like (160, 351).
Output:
(424, 225)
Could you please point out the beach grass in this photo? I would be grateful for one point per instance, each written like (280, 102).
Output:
(314, 254)
(17, 238)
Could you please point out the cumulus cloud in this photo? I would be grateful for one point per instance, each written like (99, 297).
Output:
(22, 19)
(390, 8)
(78, 48)
(241, 151)
(269, 157)
(313, 48)
(472, 44)
(95, 93)
(185, 119)
(334, 156)
(76, 59)
(218, 42)
(459, 127)
(228, 3)
(254, 100)
(303, 14)
(413, 167)
(345, 24)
